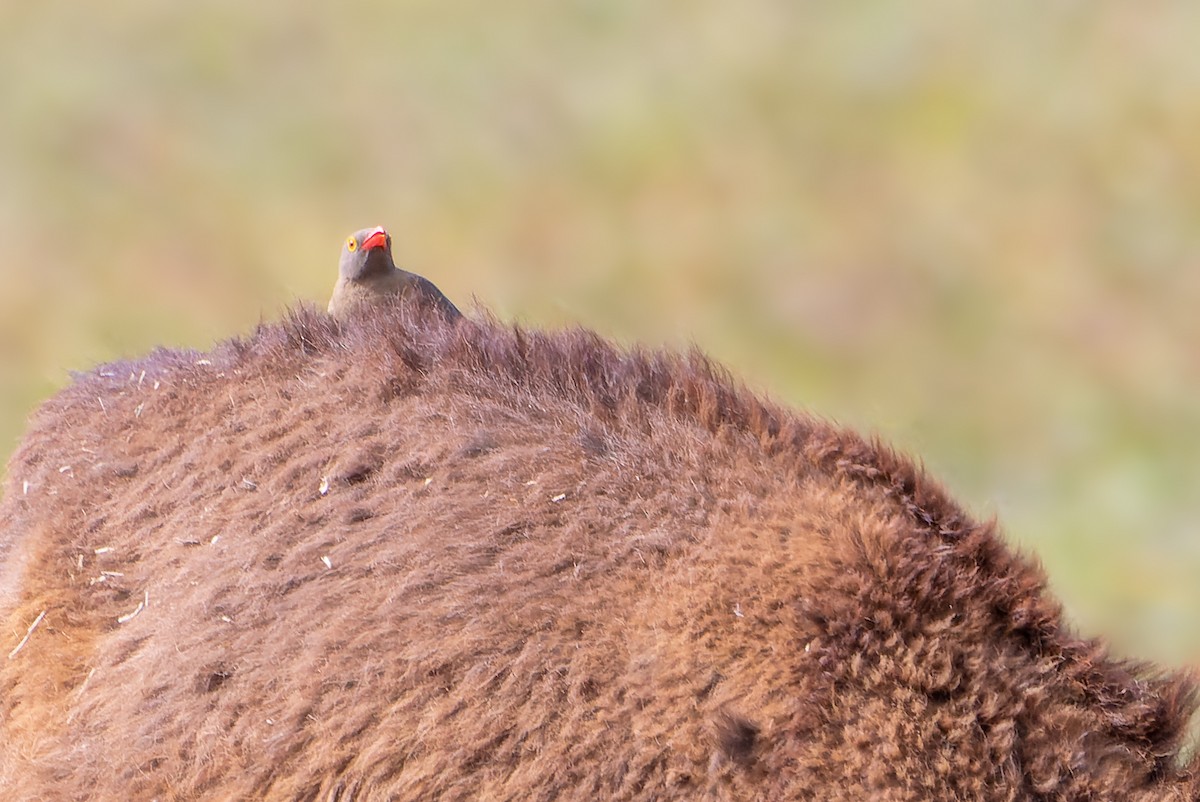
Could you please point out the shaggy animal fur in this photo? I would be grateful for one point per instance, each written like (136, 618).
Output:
(404, 559)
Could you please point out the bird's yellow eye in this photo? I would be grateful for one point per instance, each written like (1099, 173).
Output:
(351, 244)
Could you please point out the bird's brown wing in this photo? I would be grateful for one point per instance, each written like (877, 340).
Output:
(429, 292)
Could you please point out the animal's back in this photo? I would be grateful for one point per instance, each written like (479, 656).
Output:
(403, 559)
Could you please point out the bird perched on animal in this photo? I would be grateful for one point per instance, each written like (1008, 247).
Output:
(367, 275)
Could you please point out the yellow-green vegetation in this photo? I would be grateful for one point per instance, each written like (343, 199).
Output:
(972, 228)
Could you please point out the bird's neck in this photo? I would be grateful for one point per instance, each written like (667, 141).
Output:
(377, 263)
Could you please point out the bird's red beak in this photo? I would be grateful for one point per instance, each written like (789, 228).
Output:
(376, 239)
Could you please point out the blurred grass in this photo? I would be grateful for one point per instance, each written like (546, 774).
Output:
(972, 229)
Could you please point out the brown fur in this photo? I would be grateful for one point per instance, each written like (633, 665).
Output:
(556, 571)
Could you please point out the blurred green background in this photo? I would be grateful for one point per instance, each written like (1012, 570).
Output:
(971, 228)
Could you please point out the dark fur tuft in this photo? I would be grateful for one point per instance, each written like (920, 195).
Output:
(737, 737)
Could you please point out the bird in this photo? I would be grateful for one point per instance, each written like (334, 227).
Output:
(367, 276)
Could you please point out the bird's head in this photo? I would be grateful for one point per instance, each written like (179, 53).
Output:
(365, 253)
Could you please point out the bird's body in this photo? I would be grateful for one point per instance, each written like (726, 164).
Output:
(367, 275)
(351, 294)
